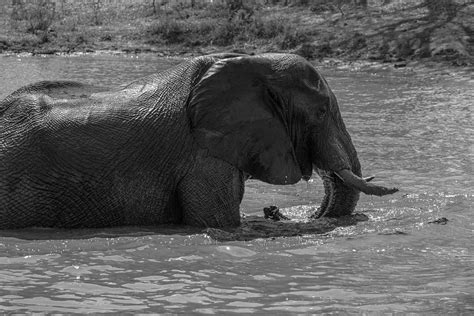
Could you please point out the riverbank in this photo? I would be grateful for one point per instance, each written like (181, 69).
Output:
(398, 33)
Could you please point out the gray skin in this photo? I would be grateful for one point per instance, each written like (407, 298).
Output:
(175, 147)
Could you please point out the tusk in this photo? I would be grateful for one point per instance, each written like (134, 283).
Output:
(357, 183)
(368, 179)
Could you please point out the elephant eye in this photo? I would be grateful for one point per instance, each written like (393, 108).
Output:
(321, 113)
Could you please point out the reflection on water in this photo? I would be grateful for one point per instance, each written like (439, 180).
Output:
(412, 129)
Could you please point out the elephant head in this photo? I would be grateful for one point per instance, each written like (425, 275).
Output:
(274, 117)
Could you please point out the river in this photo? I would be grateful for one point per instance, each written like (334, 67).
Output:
(412, 128)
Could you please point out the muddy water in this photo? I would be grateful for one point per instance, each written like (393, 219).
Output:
(411, 128)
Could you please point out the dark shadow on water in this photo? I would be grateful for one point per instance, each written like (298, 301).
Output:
(252, 227)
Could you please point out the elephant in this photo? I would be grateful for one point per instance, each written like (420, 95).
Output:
(174, 147)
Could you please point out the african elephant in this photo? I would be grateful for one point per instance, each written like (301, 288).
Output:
(174, 147)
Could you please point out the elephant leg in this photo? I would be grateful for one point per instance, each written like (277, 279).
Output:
(210, 194)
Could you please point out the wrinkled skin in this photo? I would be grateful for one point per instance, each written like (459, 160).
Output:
(174, 147)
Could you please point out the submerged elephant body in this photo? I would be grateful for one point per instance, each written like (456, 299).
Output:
(175, 147)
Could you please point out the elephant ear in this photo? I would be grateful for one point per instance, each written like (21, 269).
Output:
(237, 116)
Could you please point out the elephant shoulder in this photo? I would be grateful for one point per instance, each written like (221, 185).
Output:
(178, 79)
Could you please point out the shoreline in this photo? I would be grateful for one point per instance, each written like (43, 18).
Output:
(427, 64)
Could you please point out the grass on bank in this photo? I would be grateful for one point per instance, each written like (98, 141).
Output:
(208, 25)
(396, 31)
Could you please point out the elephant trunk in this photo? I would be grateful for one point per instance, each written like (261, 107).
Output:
(335, 160)
(332, 156)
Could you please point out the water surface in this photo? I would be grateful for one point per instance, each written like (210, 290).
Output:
(412, 129)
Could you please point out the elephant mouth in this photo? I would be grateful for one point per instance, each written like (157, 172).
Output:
(342, 190)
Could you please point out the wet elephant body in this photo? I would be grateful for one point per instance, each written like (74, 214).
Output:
(175, 147)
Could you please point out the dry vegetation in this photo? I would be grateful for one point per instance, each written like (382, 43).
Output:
(392, 30)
